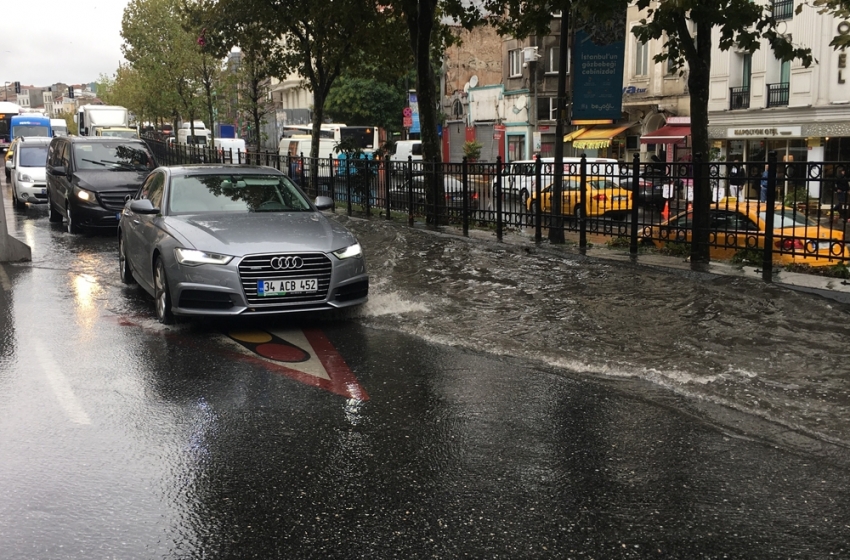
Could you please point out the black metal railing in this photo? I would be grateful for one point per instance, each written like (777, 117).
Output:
(636, 203)
(739, 97)
(777, 94)
(783, 9)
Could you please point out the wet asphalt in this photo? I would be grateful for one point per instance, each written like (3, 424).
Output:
(346, 437)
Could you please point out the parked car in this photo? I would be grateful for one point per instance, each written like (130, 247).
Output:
(519, 177)
(89, 178)
(7, 160)
(737, 226)
(603, 197)
(226, 240)
(28, 171)
(453, 187)
(651, 182)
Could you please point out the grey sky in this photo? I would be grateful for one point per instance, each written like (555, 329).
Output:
(49, 41)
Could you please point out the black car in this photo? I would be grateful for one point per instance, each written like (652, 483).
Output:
(651, 183)
(90, 179)
(453, 188)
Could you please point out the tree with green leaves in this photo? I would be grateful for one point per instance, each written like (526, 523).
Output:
(686, 28)
(361, 101)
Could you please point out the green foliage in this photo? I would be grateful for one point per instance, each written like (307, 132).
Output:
(839, 270)
(472, 150)
(676, 249)
(366, 102)
(748, 256)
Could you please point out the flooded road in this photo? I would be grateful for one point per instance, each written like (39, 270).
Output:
(761, 349)
(491, 400)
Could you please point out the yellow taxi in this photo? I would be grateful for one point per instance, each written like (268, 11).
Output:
(604, 198)
(9, 153)
(739, 225)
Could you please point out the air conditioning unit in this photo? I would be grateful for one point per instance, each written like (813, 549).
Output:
(529, 54)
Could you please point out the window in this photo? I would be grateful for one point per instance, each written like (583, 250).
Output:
(785, 72)
(641, 58)
(553, 60)
(547, 108)
(515, 62)
(783, 9)
(153, 188)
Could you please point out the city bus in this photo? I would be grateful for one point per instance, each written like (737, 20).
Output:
(30, 125)
(7, 111)
(328, 130)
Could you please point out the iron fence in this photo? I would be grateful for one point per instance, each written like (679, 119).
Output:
(636, 203)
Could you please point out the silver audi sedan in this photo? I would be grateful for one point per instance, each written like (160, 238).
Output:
(236, 239)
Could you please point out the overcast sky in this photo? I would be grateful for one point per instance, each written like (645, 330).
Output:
(43, 42)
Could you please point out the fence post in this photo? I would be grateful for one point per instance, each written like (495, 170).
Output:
(367, 178)
(498, 193)
(538, 206)
(409, 174)
(769, 214)
(465, 194)
(582, 213)
(386, 166)
(347, 181)
(633, 242)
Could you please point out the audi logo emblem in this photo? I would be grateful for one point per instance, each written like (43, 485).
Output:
(286, 263)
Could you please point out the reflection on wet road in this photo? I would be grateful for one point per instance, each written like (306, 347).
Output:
(544, 427)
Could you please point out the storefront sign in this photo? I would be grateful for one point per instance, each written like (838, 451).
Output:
(766, 132)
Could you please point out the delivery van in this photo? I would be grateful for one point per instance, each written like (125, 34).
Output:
(294, 147)
(232, 150)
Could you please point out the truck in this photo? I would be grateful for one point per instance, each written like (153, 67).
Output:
(201, 134)
(92, 120)
(7, 111)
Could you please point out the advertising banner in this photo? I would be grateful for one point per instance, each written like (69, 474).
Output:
(414, 112)
(598, 79)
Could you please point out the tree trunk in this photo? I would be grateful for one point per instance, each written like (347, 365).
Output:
(698, 84)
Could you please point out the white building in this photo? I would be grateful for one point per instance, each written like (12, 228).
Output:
(759, 104)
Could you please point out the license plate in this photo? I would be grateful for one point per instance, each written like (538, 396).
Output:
(286, 287)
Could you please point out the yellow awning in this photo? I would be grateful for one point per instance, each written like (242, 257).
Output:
(574, 134)
(598, 137)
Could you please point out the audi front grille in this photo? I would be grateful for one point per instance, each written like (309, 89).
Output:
(259, 267)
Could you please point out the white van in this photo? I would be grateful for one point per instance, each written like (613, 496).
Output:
(407, 148)
(201, 137)
(232, 150)
(296, 146)
(59, 127)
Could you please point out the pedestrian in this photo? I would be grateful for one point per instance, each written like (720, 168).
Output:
(763, 191)
(737, 177)
(842, 186)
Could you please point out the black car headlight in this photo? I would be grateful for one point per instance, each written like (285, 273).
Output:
(84, 195)
(193, 257)
(348, 252)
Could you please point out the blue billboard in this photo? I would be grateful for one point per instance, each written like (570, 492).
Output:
(597, 79)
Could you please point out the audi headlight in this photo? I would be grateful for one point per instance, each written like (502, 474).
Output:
(348, 252)
(191, 257)
(24, 178)
(83, 194)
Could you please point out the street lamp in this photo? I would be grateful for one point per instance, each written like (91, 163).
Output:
(6, 91)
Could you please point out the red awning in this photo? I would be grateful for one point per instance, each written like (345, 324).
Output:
(669, 134)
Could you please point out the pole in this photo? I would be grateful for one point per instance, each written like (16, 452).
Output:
(556, 229)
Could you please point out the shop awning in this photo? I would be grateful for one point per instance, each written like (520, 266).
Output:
(574, 134)
(598, 137)
(669, 134)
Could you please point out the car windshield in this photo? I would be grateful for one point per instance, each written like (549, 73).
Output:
(194, 194)
(33, 156)
(104, 155)
(30, 130)
(119, 133)
(786, 218)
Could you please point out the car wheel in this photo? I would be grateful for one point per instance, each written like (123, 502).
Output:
(19, 204)
(53, 216)
(162, 295)
(578, 212)
(123, 264)
(73, 227)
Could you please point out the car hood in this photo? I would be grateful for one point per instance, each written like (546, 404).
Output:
(107, 179)
(251, 233)
(37, 173)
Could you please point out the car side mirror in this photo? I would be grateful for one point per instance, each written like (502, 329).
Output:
(58, 170)
(324, 203)
(143, 206)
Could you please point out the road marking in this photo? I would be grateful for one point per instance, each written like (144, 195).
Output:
(60, 385)
(304, 355)
(5, 283)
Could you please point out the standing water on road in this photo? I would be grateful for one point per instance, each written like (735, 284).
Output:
(757, 348)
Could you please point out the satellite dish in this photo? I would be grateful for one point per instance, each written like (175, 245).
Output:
(466, 87)
(473, 81)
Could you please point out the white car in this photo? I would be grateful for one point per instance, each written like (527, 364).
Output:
(28, 176)
(518, 177)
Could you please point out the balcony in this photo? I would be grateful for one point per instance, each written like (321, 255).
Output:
(783, 9)
(777, 94)
(739, 98)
